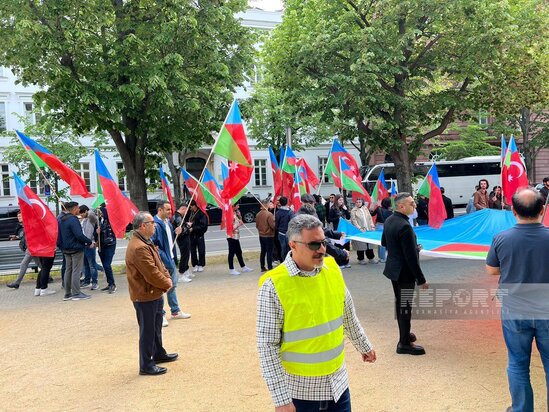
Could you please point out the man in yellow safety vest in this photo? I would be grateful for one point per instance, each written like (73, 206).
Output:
(304, 309)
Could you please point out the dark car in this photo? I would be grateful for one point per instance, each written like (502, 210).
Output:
(8, 221)
(249, 207)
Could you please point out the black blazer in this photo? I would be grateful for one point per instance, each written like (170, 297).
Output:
(403, 256)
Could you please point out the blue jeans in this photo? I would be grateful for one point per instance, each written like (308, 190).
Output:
(518, 335)
(283, 246)
(342, 405)
(381, 251)
(90, 265)
(106, 253)
(172, 297)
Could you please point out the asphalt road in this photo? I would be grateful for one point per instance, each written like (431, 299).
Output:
(216, 242)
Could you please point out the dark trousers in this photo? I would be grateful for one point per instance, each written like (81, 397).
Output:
(46, 264)
(235, 249)
(267, 246)
(369, 254)
(198, 251)
(149, 319)
(106, 254)
(404, 293)
(277, 252)
(342, 405)
(184, 244)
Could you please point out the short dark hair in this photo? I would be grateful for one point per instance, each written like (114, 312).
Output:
(283, 200)
(442, 190)
(307, 198)
(70, 205)
(182, 204)
(84, 208)
(160, 204)
(545, 179)
(483, 180)
(385, 203)
(306, 209)
(400, 197)
(528, 207)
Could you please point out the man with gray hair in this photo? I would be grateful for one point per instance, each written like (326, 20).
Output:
(303, 311)
(517, 255)
(148, 279)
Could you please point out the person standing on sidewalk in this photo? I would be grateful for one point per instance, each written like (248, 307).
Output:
(72, 242)
(198, 227)
(184, 242)
(20, 236)
(234, 244)
(163, 238)
(265, 224)
(89, 226)
(517, 256)
(107, 247)
(148, 279)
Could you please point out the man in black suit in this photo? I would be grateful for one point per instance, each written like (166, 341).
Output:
(447, 205)
(402, 268)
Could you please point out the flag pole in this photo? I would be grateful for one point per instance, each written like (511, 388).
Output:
(324, 168)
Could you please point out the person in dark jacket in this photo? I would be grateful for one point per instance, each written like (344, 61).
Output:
(183, 241)
(403, 268)
(282, 217)
(382, 214)
(320, 209)
(72, 241)
(422, 210)
(447, 205)
(106, 247)
(197, 229)
(338, 211)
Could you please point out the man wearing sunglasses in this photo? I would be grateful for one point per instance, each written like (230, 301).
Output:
(304, 309)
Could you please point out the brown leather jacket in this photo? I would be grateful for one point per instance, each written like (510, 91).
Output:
(148, 279)
(265, 223)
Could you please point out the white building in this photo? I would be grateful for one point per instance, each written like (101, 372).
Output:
(16, 100)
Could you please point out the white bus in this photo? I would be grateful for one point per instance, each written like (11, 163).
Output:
(458, 177)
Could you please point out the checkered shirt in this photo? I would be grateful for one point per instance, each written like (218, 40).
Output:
(283, 385)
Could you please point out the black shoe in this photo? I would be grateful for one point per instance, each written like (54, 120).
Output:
(112, 289)
(13, 285)
(263, 270)
(413, 337)
(50, 280)
(168, 357)
(410, 349)
(155, 370)
(105, 289)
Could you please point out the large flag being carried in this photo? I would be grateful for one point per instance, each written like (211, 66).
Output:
(352, 183)
(232, 144)
(40, 223)
(196, 190)
(226, 179)
(380, 190)
(212, 191)
(166, 192)
(277, 175)
(43, 157)
(430, 188)
(121, 210)
(513, 172)
(307, 174)
(333, 165)
(288, 167)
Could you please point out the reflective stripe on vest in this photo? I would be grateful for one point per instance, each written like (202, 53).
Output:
(312, 332)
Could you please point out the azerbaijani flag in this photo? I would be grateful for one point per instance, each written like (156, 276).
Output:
(166, 192)
(288, 167)
(225, 177)
(195, 188)
(503, 149)
(337, 152)
(307, 174)
(349, 180)
(43, 157)
(380, 190)
(513, 172)
(430, 188)
(40, 223)
(232, 144)
(212, 191)
(277, 175)
(393, 194)
(121, 210)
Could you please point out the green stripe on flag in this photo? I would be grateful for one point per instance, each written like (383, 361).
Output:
(228, 148)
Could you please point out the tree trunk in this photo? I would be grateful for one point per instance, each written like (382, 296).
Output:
(403, 168)
(528, 151)
(176, 178)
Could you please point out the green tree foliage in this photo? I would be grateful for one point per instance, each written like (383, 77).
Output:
(396, 72)
(157, 76)
(472, 142)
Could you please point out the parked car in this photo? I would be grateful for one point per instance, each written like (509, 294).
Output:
(249, 207)
(8, 221)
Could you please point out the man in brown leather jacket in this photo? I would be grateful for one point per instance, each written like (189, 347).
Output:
(265, 224)
(148, 279)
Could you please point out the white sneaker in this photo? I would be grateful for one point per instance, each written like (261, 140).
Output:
(196, 269)
(181, 315)
(37, 292)
(348, 265)
(374, 262)
(188, 274)
(46, 292)
(164, 321)
(362, 262)
(246, 269)
(184, 279)
(234, 272)
(382, 260)
(200, 268)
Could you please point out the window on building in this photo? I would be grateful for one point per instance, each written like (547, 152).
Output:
(37, 184)
(84, 171)
(260, 172)
(322, 162)
(3, 117)
(483, 117)
(29, 114)
(121, 174)
(5, 188)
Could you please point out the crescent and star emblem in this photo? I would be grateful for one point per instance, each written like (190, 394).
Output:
(39, 204)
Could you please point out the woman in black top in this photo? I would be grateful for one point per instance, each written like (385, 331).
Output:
(338, 210)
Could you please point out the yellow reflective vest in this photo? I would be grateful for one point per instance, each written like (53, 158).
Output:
(312, 333)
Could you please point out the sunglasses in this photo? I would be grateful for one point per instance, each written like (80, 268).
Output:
(314, 246)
